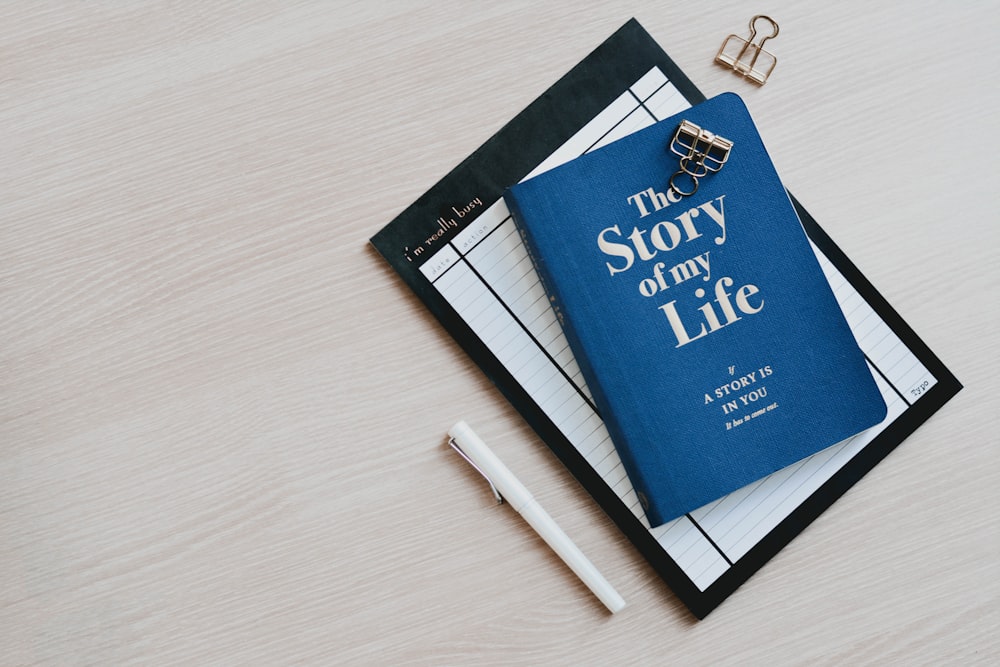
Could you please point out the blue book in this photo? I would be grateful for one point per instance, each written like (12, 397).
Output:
(711, 341)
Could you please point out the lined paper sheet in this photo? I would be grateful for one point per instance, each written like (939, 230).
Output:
(485, 274)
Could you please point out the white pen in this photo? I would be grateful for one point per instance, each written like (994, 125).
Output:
(506, 486)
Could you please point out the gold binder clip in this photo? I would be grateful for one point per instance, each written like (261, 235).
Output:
(700, 151)
(745, 57)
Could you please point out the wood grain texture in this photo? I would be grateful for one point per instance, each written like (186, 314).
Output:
(222, 417)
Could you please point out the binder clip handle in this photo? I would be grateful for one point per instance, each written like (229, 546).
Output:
(747, 57)
(700, 152)
(753, 30)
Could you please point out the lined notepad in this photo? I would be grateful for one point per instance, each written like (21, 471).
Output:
(485, 274)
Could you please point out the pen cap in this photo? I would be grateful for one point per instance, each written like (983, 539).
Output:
(503, 479)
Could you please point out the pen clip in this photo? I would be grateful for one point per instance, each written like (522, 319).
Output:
(496, 493)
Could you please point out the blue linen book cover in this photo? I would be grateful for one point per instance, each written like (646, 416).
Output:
(713, 345)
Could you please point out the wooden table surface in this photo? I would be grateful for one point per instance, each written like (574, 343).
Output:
(222, 416)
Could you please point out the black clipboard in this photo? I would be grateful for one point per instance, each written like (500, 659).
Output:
(420, 232)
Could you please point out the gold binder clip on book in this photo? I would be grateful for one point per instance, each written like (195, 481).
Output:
(700, 151)
(747, 58)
